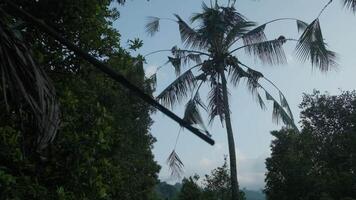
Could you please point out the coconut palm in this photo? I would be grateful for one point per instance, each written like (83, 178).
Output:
(210, 58)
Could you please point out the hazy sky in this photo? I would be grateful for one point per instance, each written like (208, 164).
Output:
(251, 125)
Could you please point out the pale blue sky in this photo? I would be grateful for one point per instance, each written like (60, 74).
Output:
(251, 125)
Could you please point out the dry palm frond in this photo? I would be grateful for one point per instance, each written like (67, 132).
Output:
(311, 46)
(177, 90)
(216, 102)
(175, 165)
(26, 85)
(235, 71)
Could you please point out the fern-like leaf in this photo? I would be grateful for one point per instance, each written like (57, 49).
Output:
(175, 164)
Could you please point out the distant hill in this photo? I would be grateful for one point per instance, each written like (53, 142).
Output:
(167, 191)
(254, 195)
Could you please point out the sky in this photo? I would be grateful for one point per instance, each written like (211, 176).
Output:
(251, 125)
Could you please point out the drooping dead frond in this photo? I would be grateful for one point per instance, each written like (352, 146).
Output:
(26, 85)
(178, 89)
(350, 4)
(175, 165)
(216, 102)
(269, 52)
(152, 25)
(311, 46)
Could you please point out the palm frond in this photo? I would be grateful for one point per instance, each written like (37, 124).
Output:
(178, 89)
(252, 79)
(189, 36)
(175, 164)
(350, 4)
(255, 35)
(26, 85)
(301, 26)
(231, 16)
(311, 46)
(270, 52)
(186, 56)
(236, 72)
(253, 85)
(260, 101)
(191, 113)
(152, 25)
(216, 102)
(195, 58)
(284, 104)
(237, 31)
(176, 63)
(279, 114)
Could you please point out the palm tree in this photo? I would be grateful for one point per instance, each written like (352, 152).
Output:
(210, 52)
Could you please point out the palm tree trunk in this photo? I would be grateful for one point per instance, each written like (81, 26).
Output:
(231, 142)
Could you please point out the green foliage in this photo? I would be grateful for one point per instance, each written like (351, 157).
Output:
(215, 186)
(190, 189)
(103, 146)
(166, 191)
(319, 162)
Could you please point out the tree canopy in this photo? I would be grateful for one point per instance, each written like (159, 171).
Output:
(319, 162)
(103, 145)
